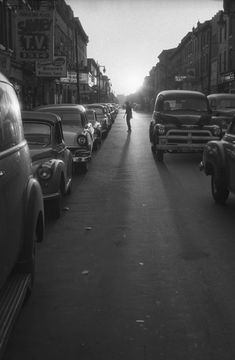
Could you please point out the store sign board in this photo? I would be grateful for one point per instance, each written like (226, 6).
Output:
(227, 77)
(56, 68)
(179, 78)
(72, 78)
(34, 31)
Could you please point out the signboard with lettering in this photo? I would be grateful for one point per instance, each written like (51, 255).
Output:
(72, 78)
(34, 35)
(227, 77)
(56, 68)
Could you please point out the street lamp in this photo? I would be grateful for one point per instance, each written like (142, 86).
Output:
(104, 70)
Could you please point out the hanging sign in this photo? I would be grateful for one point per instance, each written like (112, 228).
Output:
(55, 68)
(34, 35)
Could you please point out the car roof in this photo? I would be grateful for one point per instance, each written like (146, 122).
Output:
(39, 115)
(221, 95)
(94, 105)
(181, 92)
(61, 107)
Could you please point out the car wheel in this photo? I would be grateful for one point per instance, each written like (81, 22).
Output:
(27, 266)
(159, 155)
(69, 191)
(219, 189)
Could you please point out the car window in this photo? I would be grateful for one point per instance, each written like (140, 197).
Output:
(11, 130)
(37, 134)
(98, 111)
(226, 103)
(70, 118)
(192, 104)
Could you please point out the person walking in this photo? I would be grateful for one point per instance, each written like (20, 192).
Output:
(128, 115)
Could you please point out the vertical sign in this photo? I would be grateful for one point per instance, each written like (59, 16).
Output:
(34, 35)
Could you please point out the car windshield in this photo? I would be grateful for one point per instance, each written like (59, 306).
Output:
(225, 104)
(185, 104)
(37, 134)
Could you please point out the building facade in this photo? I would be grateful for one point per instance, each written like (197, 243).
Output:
(43, 52)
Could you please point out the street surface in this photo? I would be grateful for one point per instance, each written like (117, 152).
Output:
(140, 266)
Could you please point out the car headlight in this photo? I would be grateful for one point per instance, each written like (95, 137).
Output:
(81, 140)
(216, 131)
(161, 129)
(44, 172)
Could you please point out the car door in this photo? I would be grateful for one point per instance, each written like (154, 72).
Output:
(13, 178)
(230, 151)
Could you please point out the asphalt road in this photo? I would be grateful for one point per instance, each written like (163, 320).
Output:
(140, 266)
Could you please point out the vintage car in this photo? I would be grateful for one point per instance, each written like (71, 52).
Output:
(102, 116)
(78, 132)
(219, 162)
(223, 109)
(97, 134)
(181, 122)
(52, 160)
(21, 212)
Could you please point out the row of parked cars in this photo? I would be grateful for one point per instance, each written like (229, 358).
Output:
(189, 121)
(40, 151)
(61, 139)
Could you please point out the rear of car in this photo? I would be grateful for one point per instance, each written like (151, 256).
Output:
(181, 122)
(223, 109)
(52, 160)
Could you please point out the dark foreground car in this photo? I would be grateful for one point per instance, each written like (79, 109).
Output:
(181, 122)
(223, 109)
(21, 212)
(52, 160)
(219, 162)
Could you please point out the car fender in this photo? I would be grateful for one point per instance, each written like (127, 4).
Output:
(34, 220)
(214, 158)
(58, 172)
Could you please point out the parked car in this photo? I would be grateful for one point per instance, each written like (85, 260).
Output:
(102, 117)
(181, 122)
(223, 109)
(219, 163)
(21, 212)
(78, 132)
(52, 160)
(97, 134)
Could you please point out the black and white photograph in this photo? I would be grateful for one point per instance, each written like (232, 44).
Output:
(117, 179)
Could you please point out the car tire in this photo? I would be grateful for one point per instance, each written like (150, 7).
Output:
(219, 189)
(159, 155)
(69, 191)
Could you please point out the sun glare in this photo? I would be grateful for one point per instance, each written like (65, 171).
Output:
(131, 83)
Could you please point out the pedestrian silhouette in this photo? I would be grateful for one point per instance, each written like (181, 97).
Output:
(128, 115)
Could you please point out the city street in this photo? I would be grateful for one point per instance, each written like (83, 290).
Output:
(140, 265)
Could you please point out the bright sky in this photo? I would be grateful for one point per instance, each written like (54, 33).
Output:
(128, 35)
